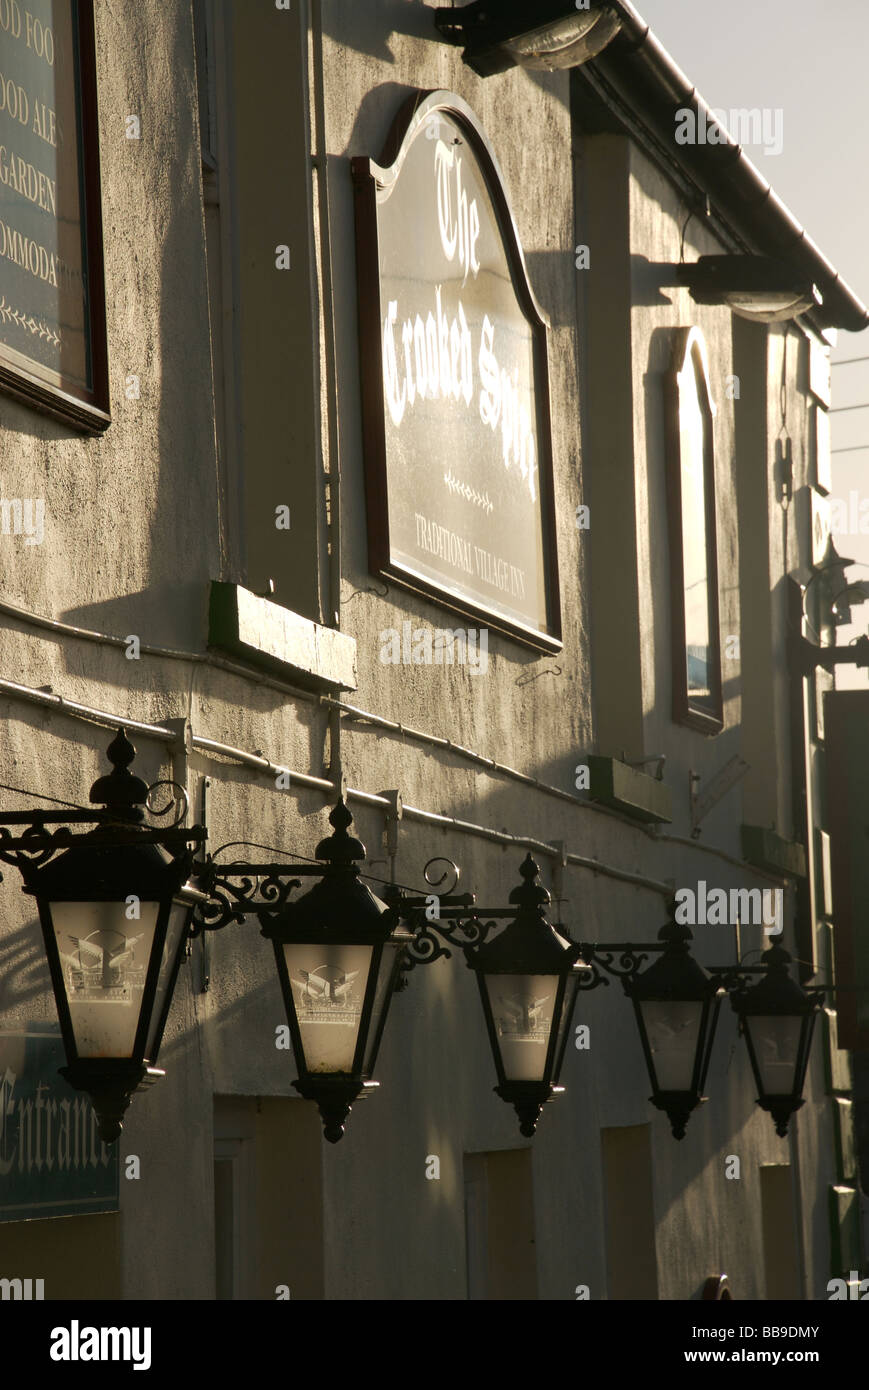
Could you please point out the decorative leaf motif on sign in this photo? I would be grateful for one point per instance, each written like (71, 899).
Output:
(470, 494)
(33, 325)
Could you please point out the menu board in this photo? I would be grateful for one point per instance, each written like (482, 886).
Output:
(51, 291)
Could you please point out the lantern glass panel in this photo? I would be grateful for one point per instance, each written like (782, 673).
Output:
(765, 307)
(104, 959)
(673, 1031)
(522, 1008)
(564, 43)
(176, 933)
(328, 987)
(389, 960)
(775, 1040)
(571, 987)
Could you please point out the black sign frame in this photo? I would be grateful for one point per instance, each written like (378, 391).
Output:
(86, 410)
(369, 178)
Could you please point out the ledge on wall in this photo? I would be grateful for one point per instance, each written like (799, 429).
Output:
(623, 788)
(276, 639)
(770, 851)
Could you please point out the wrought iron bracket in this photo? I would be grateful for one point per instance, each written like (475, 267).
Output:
(240, 889)
(450, 921)
(621, 959)
(734, 978)
(37, 844)
(810, 655)
(624, 959)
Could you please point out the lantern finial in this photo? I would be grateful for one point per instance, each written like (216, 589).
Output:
(339, 848)
(121, 792)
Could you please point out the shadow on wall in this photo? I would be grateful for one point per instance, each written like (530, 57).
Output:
(143, 613)
(358, 28)
(171, 537)
(23, 966)
(369, 33)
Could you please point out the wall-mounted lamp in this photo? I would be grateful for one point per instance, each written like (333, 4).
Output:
(836, 597)
(543, 34)
(115, 909)
(676, 1004)
(837, 594)
(338, 951)
(777, 1018)
(755, 287)
(117, 905)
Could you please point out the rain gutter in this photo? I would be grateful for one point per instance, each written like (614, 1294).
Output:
(635, 78)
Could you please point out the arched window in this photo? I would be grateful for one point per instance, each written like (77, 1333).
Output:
(693, 554)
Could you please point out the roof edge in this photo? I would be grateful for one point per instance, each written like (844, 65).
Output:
(642, 70)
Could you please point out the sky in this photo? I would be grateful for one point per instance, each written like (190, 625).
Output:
(808, 60)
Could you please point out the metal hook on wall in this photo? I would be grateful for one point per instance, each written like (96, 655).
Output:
(369, 589)
(530, 676)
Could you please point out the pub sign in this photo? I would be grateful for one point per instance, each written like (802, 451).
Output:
(52, 1160)
(458, 454)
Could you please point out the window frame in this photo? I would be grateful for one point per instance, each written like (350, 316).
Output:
(690, 362)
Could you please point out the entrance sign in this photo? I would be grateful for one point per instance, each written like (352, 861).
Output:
(52, 310)
(52, 1161)
(458, 453)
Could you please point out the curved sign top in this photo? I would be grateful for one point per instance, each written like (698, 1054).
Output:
(455, 378)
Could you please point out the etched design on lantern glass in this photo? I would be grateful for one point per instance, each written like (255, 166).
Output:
(328, 985)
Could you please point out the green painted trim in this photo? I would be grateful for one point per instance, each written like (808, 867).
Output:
(844, 1217)
(625, 789)
(837, 1061)
(843, 1135)
(770, 851)
(276, 639)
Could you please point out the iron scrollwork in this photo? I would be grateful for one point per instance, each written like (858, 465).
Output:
(36, 844)
(450, 921)
(239, 889)
(178, 799)
(428, 872)
(464, 932)
(439, 921)
(33, 847)
(622, 960)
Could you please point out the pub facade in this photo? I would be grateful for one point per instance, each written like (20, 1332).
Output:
(376, 436)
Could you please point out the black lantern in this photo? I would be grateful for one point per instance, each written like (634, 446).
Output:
(528, 980)
(778, 1017)
(542, 34)
(115, 910)
(676, 1005)
(837, 595)
(338, 950)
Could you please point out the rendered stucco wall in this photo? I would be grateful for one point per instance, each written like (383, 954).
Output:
(133, 539)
